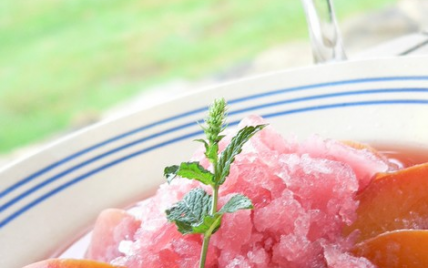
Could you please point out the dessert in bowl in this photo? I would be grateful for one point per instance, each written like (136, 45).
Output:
(49, 198)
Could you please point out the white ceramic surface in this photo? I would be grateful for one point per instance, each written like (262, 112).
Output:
(50, 198)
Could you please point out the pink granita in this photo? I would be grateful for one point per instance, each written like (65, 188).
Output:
(303, 196)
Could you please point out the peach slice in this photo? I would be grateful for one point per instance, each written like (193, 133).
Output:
(69, 263)
(391, 202)
(404, 248)
(111, 227)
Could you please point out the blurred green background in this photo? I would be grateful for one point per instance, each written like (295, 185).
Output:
(63, 58)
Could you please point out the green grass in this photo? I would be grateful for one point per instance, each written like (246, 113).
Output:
(59, 59)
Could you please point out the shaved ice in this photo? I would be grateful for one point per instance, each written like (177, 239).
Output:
(304, 193)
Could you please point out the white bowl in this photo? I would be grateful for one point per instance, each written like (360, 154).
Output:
(52, 197)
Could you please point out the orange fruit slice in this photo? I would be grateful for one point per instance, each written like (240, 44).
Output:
(69, 263)
(404, 248)
(393, 201)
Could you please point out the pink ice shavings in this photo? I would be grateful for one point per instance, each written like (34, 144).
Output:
(303, 196)
(363, 162)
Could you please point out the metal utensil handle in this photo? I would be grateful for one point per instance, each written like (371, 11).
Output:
(325, 38)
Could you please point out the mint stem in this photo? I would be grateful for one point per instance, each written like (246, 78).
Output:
(215, 200)
(204, 251)
(207, 235)
(206, 241)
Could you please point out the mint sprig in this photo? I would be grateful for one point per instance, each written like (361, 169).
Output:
(197, 212)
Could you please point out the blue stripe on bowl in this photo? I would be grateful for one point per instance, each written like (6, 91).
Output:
(48, 168)
(332, 95)
(93, 147)
(188, 125)
(330, 84)
(89, 161)
(40, 199)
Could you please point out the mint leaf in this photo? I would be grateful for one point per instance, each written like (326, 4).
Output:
(237, 202)
(206, 145)
(170, 173)
(211, 151)
(190, 211)
(194, 171)
(190, 170)
(210, 224)
(227, 157)
(184, 227)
